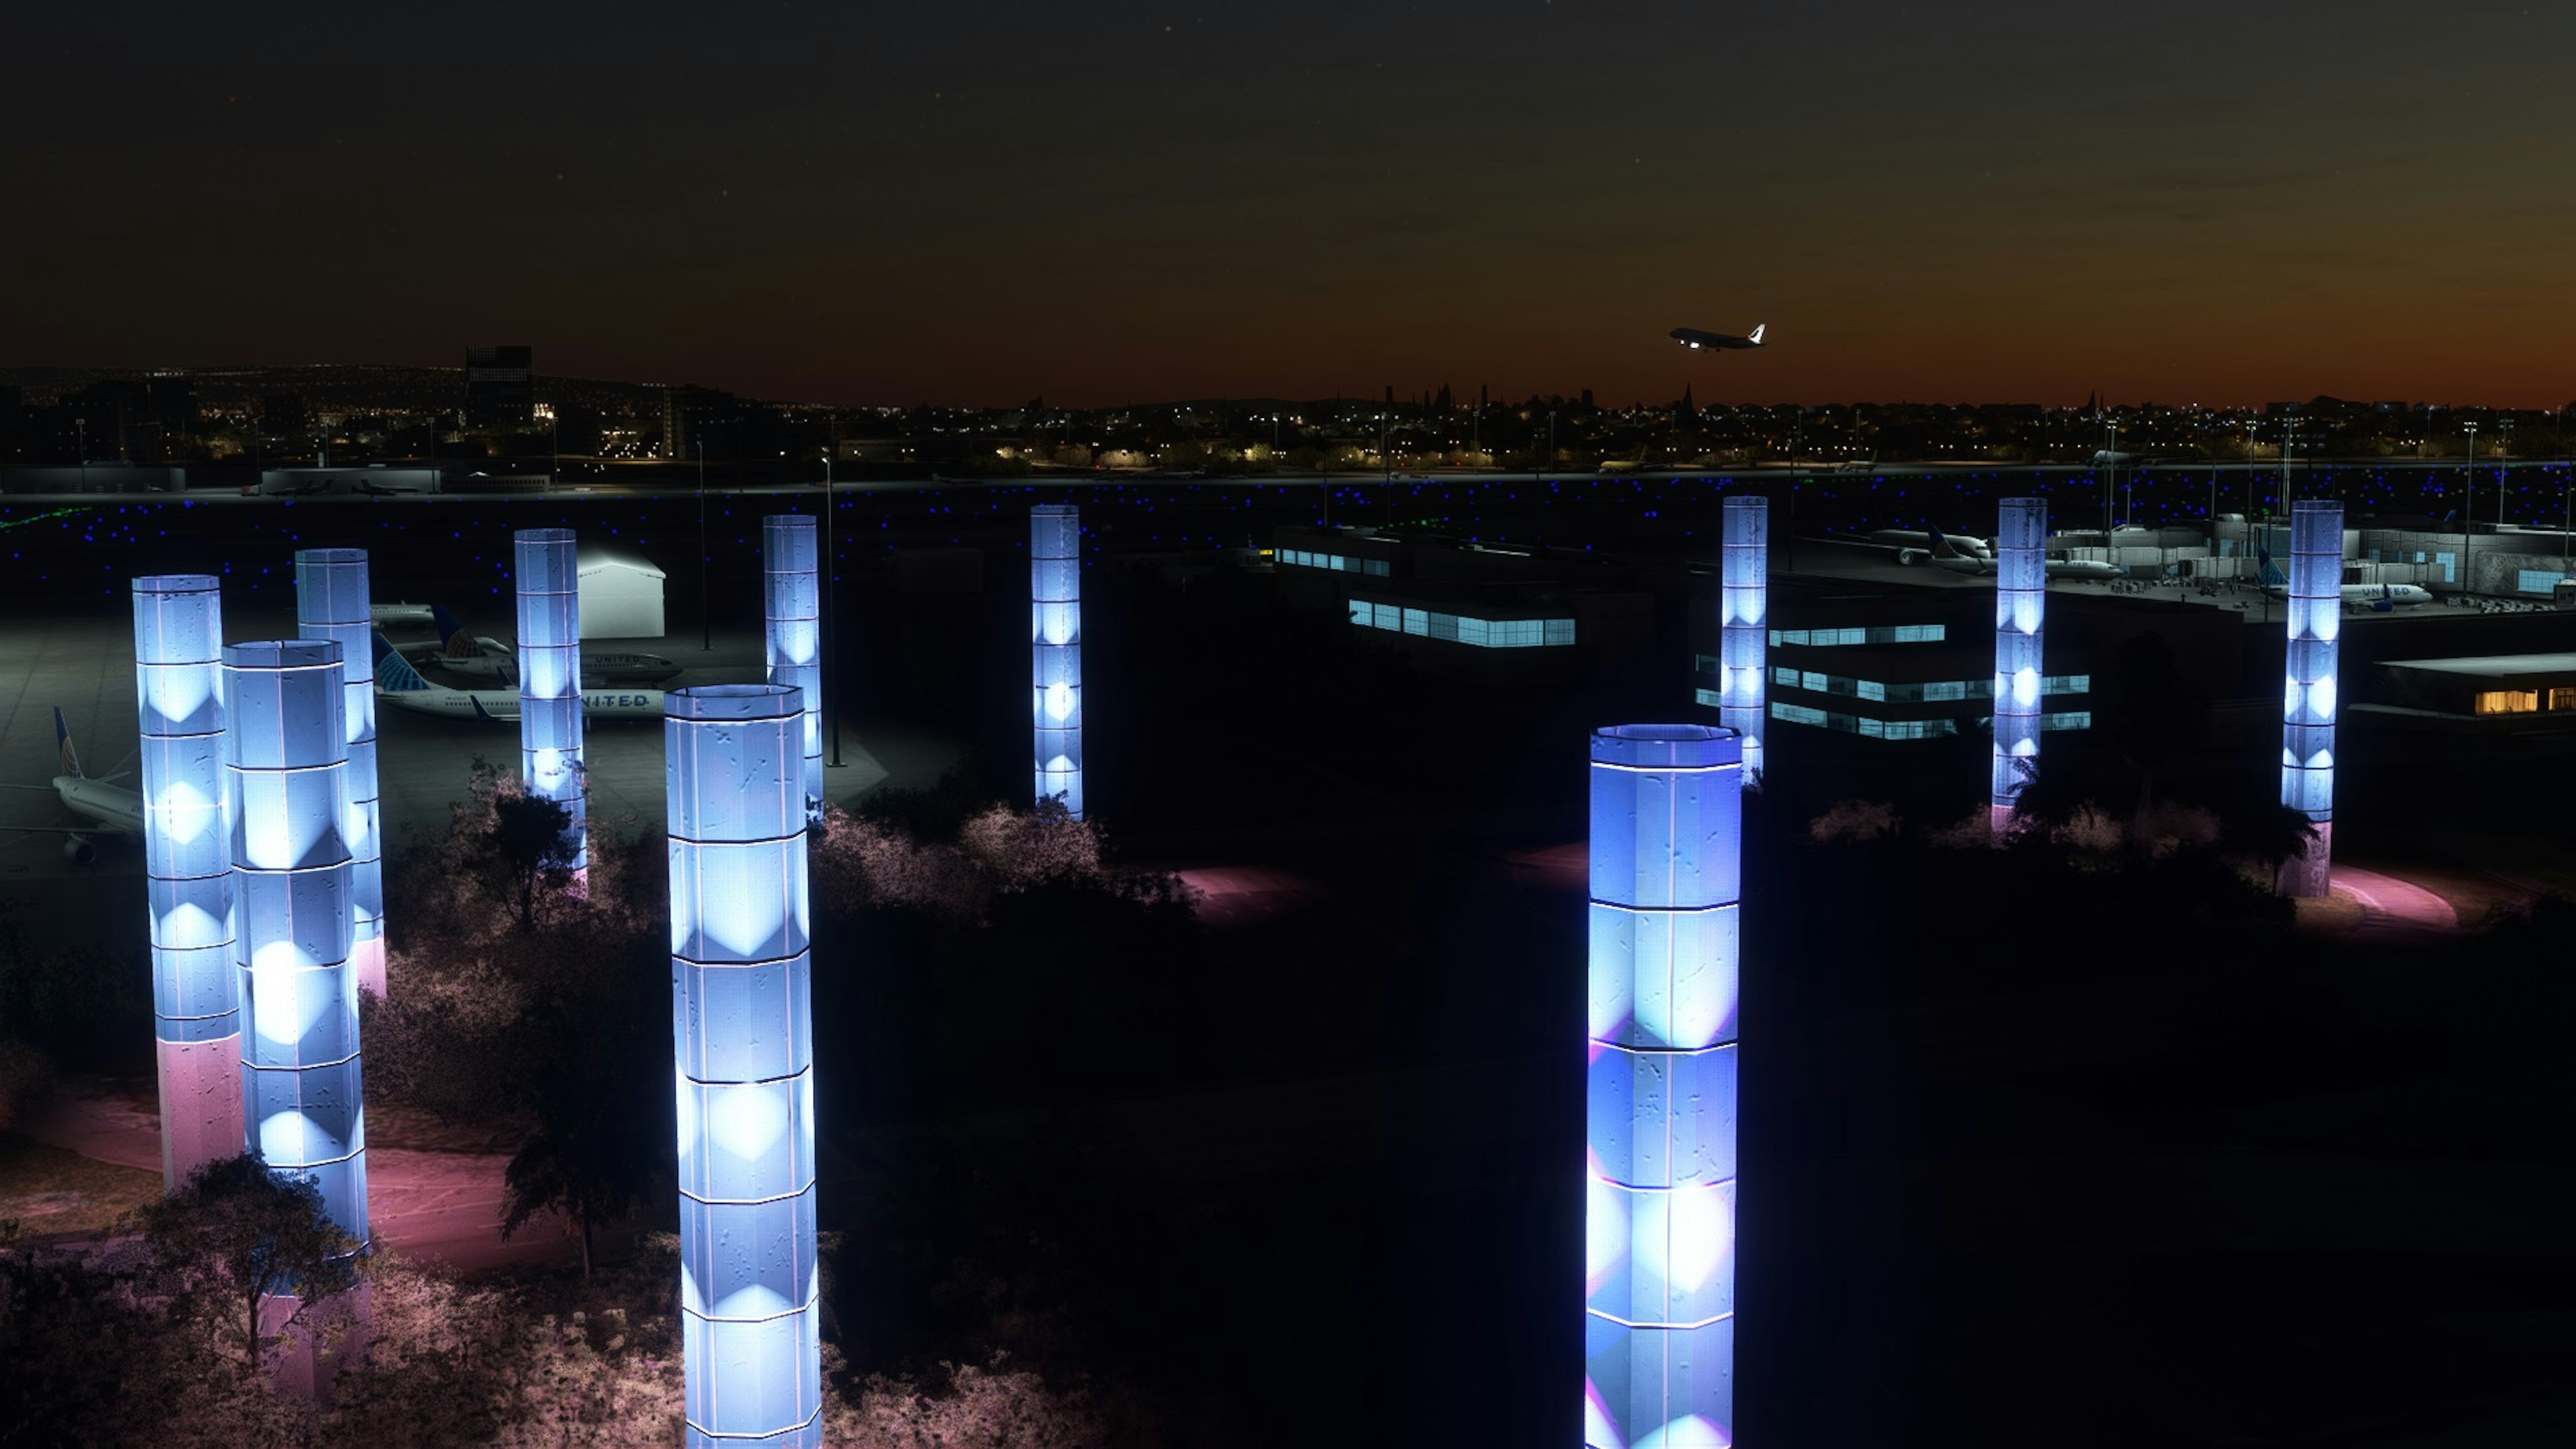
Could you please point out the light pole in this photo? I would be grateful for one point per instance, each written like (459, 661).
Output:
(831, 616)
(2504, 466)
(2468, 503)
(80, 431)
(706, 626)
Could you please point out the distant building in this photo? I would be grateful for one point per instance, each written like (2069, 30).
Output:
(500, 387)
(106, 414)
(692, 416)
(281, 415)
(172, 398)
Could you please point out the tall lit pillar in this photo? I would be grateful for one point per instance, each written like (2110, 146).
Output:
(331, 603)
(2021, 607)
(791, 598)
(734, 754)
(1744, 624)
(1659, 1211)
(2308, 701)
(196, 1000)
(286, 755)
(550, 759)
(1055, 634)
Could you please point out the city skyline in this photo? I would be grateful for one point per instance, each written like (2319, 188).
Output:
(1122, 204)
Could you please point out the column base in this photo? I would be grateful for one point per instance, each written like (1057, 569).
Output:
(201, 1105)
(2309, 875)
(332, 1335)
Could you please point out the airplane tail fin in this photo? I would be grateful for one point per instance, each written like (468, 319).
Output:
(459, 644)
(394, 674)
(2273, 578)
(69, 758)
(1941, 546)
(1756, 338)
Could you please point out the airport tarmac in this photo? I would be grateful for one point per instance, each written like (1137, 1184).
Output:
(83, 662)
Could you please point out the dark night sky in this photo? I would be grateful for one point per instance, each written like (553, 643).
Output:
(1115, 201)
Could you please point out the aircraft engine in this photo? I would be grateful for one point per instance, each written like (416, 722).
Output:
(1911, 556)
(79, 850)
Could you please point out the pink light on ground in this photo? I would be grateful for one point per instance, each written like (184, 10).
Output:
(1240, 895)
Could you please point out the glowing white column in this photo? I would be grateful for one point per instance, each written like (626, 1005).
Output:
(791, 599)
(196, 999)
(286, 754)
(2021, 607)
(1659, 1179)
(1055, 638)
(2308, 702)
(1744, 627)
(733, 758)
(550, 746)
(331, 603)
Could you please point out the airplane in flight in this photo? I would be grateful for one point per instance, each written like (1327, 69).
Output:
(484, 657)
(2378, 598)
(107, 810)
(1698, 340)
(401, 686)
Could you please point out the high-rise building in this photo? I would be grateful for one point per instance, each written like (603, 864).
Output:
(173, 402)
(500, 387)
(281, 416)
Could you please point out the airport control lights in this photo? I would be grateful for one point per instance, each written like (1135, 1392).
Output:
(2021, 608)
(791, 598)
(1055, 643)
(187, 864)
(2308, 702)
(286, 758)
(331, 603)
(734, 761)
(1744, 625)
(1659, 1175)
(550, 746)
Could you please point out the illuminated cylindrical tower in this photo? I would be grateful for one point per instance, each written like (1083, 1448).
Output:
(791, 598)
(331, 603)
(1659, 1211)
(1744, 625)
(2308, 702)
(550, 758)
(286, 754)
(196, 999)
(1055, 635)
(734, 756)
(2021, 607)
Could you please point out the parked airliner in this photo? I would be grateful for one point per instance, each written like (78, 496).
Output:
(107, 810)
(2378, 597)
(483, 657)
(400, 685)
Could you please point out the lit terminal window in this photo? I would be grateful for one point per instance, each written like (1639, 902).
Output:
(1875, 634)
(1923, 692)
(2562, 698)
(1334, 562)
(2512, 701)
(1460, 629)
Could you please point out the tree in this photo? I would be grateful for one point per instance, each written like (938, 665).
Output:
(531, 841)
(236, 1234)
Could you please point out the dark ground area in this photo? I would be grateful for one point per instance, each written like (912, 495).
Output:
(2038, 1149)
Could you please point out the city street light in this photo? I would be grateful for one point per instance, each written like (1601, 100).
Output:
(706, 625)
(2468, 502)
(831, 617)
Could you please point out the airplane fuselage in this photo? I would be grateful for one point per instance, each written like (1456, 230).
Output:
(114, 809)
(503, 704)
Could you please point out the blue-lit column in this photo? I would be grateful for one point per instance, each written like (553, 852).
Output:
(791, 599)
(1659, 1212)
(550, 758)
(286, 753)
(331, 603)
(734, 756)
(2308, 702)
(1055, 635)
(196, 1016)
(1744, 624)
(2021, 607)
